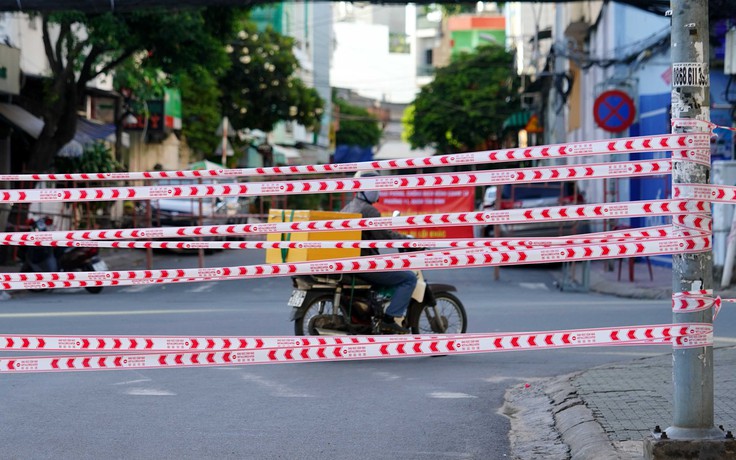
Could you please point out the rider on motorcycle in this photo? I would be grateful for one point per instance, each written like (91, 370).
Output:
(403, 282)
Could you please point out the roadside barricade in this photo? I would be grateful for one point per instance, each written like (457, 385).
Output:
(690, 232)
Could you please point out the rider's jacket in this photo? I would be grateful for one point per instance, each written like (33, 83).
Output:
(359, 206)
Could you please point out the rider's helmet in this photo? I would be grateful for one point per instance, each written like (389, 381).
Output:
(371, 196)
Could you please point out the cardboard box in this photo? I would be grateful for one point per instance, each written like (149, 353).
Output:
(277, 256)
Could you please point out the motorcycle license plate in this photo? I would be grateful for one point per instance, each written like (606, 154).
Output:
(100, 266)
(297, 297)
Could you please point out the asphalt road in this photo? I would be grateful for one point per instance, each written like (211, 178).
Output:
(416, 408)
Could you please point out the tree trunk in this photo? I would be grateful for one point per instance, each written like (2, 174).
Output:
(60, 118)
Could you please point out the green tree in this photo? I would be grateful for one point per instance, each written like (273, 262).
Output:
(357, 126)
(200, 106)
(83, 46)
(465, 105)
(261, 87)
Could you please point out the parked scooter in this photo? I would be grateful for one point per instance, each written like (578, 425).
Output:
(64, 259)
(345, 304)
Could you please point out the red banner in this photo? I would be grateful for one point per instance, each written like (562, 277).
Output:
(430, 201)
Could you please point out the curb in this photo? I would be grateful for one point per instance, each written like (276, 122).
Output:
(549, 420)
(576, 423)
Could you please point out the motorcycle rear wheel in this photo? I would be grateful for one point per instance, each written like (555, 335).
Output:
(92, 289)
(321, 305)
(450, 318)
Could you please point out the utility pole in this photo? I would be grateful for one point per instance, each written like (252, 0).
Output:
(692, 372)
(692, 367)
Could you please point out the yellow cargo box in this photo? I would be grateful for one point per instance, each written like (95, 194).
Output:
(277, 256)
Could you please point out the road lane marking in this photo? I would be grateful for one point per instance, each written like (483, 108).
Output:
(450, 395)
(148, 392)
(54, 314)
(535, 286)
(205, 287)
(132, 289)
(277, 389)
(131, 382)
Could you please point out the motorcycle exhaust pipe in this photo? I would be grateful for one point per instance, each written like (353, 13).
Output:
(330, 332)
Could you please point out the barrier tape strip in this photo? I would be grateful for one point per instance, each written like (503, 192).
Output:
(666, 142)
(697, 224)
(510, 216)
(147, 344)
(699, 156)
(125, 343)
(698, 124)
(680, 335)
(710, 192)
(416, 261)
(693, 301)
(417, 181)
(602, 237)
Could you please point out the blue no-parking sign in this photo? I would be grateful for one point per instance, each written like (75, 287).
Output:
(614, 111)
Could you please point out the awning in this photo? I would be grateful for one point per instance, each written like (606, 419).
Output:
(517, 120)
(90, 131)
(21, 118)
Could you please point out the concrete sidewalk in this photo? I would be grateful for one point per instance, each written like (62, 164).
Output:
(607, 412)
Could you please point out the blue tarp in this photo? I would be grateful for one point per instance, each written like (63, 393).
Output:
(90, 131)
(352, 154)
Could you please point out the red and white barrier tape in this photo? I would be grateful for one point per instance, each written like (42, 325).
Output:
(701, 125)
(420, 181)
(692, 301)
(510, 216)
(680, 335)
(666, 142)
(416, 261)
(148, 344)
(710, 192)
(699, 156)
(602, 237)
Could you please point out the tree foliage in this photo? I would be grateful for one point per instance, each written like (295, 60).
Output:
(261, 87)
(80, 47)
(150, 49)
(464, 107)
(357, 126)
(200, 106)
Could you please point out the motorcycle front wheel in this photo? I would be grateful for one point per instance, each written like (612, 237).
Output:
(26, 268)
(447, 317)
(304, 324)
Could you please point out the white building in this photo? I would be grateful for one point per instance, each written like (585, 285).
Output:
(373, 53)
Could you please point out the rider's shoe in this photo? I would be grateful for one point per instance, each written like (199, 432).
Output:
(388, 324)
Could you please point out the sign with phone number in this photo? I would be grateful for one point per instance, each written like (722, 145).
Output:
(430, 201)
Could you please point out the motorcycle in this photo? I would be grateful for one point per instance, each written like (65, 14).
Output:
(344, 304)
(55, 259)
